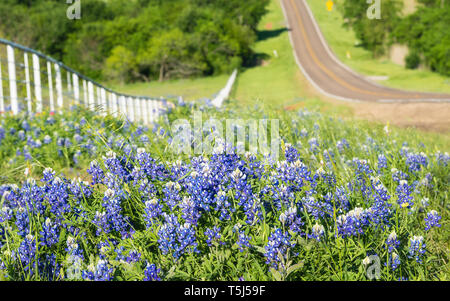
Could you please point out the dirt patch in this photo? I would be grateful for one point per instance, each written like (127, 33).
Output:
(426, 116)
(398, 53)
(268, 26)
(409, 6)
(431, 117)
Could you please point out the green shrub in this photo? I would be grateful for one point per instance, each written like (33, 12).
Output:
(412, 60)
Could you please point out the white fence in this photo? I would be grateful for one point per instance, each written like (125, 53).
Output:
(225, 92)
(45, 83)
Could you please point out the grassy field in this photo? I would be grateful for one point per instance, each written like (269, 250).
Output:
(342, 40)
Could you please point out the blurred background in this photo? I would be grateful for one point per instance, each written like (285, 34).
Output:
(190, 47)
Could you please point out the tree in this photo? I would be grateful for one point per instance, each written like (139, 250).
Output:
(121, 65)
(168, 52)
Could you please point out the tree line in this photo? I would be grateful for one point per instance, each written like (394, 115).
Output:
(129, 40)
(426, 32)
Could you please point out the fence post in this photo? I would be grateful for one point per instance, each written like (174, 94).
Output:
(2, 102)
(156, 104)
(59, 92)
(114, 105)
(152, 110)
(91, 104)
(137, 110)
(109, 100)
(12, 79)
(27, 82)
(76, 88)
(144, 109)
(50, 87)
(69, 86)
(149, 110)
(85, 97)
(130, 108)
(99, 97)
(123, 106)
(104, 104)
(37, 83)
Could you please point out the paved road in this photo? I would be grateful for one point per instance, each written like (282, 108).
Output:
(327, 73)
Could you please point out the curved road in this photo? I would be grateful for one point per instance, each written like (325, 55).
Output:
(327, 73)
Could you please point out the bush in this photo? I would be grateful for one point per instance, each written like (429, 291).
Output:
(412, 60)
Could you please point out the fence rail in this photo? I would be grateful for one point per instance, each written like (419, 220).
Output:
(45, 82)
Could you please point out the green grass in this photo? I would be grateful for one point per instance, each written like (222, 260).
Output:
(190, 89)
(342, 40)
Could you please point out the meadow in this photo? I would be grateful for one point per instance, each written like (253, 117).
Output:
(91, 197)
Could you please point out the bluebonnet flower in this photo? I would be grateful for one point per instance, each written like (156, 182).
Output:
(2, 236)
(49, 175)
(441, 158)
(49, 233)
(78, 138)
(317, 208)
(392, 242)
(417, 248)
(291, 153)
(112, 205)
(6, 213)
(243, 241)
(151, 273)
(101, 272)
(48, 267)
(415, 161)
(153, 209)
(172, 196)
(21, 135)
(96, 172)
(47, 139)
(342, 145)
(73, 249)
(398, 175)
(317, 232)
(176, 237)
(432, 220)
(27, 252)
(190, 212)
(353, 222)
(213, 236)
(223, 206)
(22, 221)
(133, 256)
(403, 190)
(291, 219)
(341, 199)
(303, 132)
(277, 248)
(393, 261)
(313, 144)
(382, 161)
(101, 221)
(26, 126)
(2, 134)
(380, 211)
